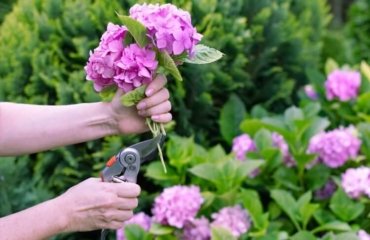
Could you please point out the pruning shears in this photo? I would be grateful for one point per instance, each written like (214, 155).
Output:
(125, 166)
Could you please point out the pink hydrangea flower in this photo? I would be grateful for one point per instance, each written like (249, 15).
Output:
(100, 67)
(197, 229)
(169, 28)
(356, 181)
(243, 144)
(235, 219)
(336, 147)
(176, 205)
(343, 84)
(278, 141)
(326, 191)
(310, 92)
(136, 67)
(140, 219)
(363, 235)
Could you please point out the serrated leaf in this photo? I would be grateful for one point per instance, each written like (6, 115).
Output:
(136, 29)
(108, 93)
(204, 55)
(133, 97)
(169, 64)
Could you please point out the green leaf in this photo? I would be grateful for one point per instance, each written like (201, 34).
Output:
(286, 202)
(206, 171)
(155, 171)
(365, 69)
(344, 207)
(303, 235)
(133, 97)
(313, 182)
(251, 201)
(108, 93)
(204, 55)
(232, 114)
(135, 232)
(136, 29)
(311, 109)
(263, 139)
(168, 64)
(333, 226)
(220, 233)
(330, 66)
(347, 236)
(158, 229)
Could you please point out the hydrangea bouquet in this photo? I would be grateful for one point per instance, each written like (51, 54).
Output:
(153, 39)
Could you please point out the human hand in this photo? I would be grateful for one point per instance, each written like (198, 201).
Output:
(156, 105)
(93, 204)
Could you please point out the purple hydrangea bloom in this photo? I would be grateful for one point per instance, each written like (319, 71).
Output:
(278, 141)
(326, 191)
(169, 28)
(343, 84)
(235, 219)
(336, 147)
(136, 67)
(197, 229)
(363, 235)
(310, 92)
(176, 205)
(241, 145)
(356, 181)
(140, 219)
(100, 67)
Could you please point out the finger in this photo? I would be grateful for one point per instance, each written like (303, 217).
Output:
(159, 109)
(158, 83)
(162, 118)
(113, 214)
(128, 203)
(127, 190)
(159, 97)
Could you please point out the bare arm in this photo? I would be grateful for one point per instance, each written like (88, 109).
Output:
(31, 128)
(90, 205)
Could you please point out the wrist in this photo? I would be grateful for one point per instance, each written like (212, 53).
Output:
(62, 215)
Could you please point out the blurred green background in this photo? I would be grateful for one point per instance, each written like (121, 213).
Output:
(269, 47)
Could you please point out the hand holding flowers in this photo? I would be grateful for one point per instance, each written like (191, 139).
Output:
(154, 40)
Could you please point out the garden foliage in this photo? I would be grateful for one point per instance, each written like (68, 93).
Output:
(272, 49)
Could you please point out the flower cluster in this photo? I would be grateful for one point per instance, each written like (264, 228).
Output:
(140, 219)
(326, 191)
(235, 219)
(363, 235)
(176, 205)
(197, 229)
(242, 144)
(169, 28)
(356, 182)
(278, 141)
(336, 147)
(343, 84)
(310, 92)
(112, 63)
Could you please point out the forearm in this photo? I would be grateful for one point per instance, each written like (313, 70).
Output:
(39, 222)
(32, 128)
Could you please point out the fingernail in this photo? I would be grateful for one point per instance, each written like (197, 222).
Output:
(155, 117)
(149, 92)
(141, 105)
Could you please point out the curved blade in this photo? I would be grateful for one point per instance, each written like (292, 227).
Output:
(148, 149)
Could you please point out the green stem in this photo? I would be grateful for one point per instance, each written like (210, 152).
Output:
(157, 128)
